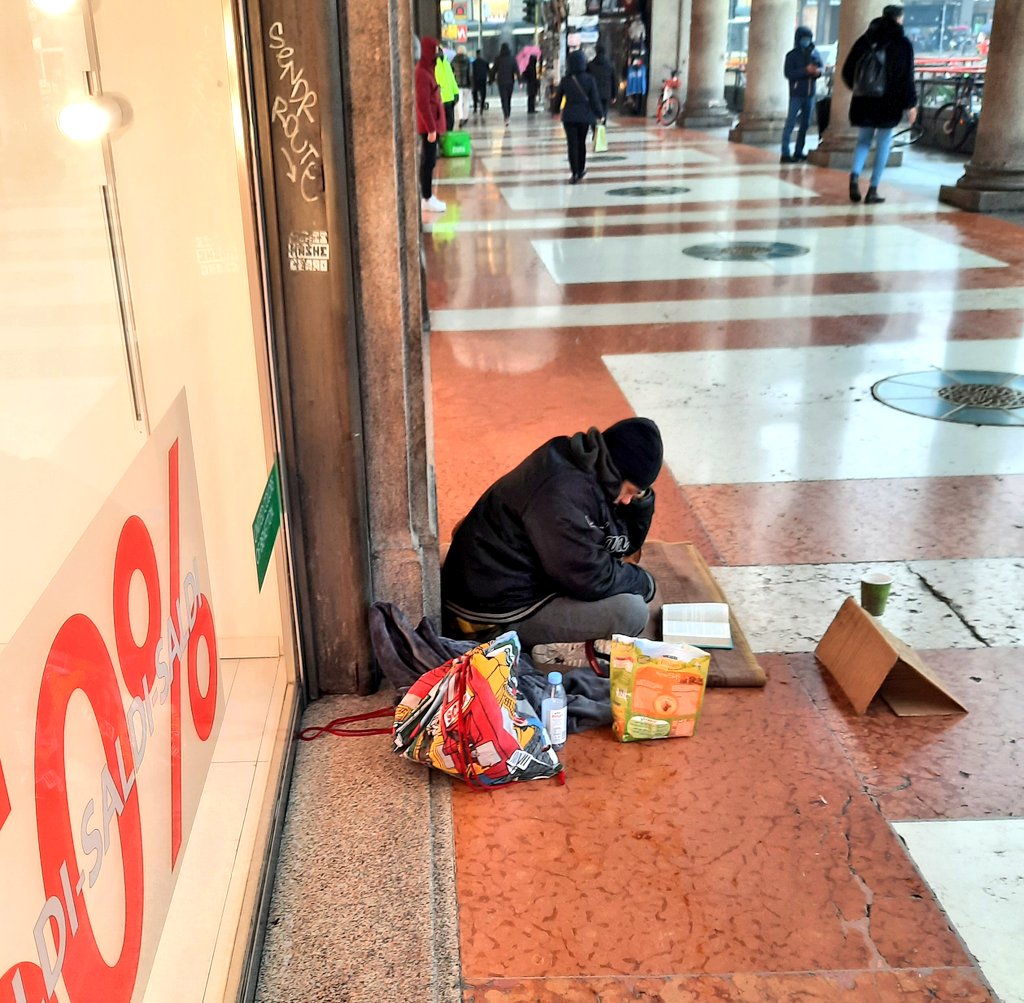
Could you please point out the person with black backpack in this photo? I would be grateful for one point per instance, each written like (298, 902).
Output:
(880, 71)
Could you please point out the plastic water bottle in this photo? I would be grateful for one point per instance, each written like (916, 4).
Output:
(553, 712)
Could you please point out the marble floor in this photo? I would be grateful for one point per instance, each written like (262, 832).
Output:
(791, 849)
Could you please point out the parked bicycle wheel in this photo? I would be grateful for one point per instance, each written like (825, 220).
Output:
(953, 126)
(668, 111)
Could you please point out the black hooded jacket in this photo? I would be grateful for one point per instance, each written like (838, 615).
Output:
(900, 91)
(582, 102)
(604, 76)
(481, 71)
(548, 528)
(801, 83)
(504, 70)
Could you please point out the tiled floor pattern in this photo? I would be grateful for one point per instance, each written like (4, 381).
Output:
(791, 850)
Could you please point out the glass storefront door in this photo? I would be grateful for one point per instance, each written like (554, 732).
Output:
(131, 292)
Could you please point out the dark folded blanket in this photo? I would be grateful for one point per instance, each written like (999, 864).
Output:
(403, 654)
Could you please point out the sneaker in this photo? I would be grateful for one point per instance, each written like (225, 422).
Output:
(572, 655)
(581, 175)
(433, 204)
(799, 157)
(786, 159)
(872, 197)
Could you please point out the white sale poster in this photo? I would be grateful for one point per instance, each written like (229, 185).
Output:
(110, 711)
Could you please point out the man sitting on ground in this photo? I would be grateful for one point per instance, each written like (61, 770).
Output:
(550, 549)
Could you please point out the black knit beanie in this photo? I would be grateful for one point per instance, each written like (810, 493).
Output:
(635, 448)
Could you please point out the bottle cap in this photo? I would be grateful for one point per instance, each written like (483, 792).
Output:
(554, 678)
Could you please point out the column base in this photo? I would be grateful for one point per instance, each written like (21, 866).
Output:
(982, 200)
(707, 118)
(759, 132)
(842, 160)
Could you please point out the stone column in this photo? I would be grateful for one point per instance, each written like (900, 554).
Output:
(670, 48)
(384, 217)
(836, 147)
(993, 180)
(705, 106)
(772, 24)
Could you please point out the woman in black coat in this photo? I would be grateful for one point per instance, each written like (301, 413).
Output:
(582, 110)
(532, 82)
(878, 115)
(506, 73)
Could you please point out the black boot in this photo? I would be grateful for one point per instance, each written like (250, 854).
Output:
(873, 198)
(854, 189)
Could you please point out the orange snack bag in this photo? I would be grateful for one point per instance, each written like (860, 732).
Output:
(657, 688)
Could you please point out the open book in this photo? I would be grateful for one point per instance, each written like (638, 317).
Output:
(704, 624)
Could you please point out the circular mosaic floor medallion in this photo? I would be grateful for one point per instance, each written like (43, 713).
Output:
(745, 250)
(966, 396)
(647, 191)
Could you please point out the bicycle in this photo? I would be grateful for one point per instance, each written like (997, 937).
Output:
(957, 121)
(668, 104)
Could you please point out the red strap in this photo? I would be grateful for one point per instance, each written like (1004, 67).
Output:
(338, 726)
(461, 669)
(591, 653)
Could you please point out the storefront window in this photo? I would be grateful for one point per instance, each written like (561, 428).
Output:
(131, 289)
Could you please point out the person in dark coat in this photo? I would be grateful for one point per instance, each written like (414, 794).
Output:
(429, 122)
(605, 77)
(550, 549)
(506, 73)
(463, 77)
(802, 68)
(481, 74)
(532, 85)
(877, 117)
(582, 110)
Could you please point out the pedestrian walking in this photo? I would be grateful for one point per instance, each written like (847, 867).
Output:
(463, 73)
(582, 110)
(532, 82)
(802, 68)
(481, 74)
(880, 71)
(605, 77)
(506, 74)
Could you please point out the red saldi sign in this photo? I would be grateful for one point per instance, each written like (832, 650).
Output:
(110, 712)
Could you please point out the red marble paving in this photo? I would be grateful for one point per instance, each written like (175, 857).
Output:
(535, 394)
(959, 766)
(942, 985)
(752, 863)
(747, 849)
(505, 271)
(822, 522)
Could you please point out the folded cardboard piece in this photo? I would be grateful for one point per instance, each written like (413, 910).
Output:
(865, 659)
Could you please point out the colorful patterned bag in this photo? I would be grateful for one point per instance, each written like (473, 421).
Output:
(467, 718)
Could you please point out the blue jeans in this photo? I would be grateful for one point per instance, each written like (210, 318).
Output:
(800, 108)
(860, 154)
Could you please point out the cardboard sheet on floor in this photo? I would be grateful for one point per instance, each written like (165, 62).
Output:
(865, 660)
(683, 576)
